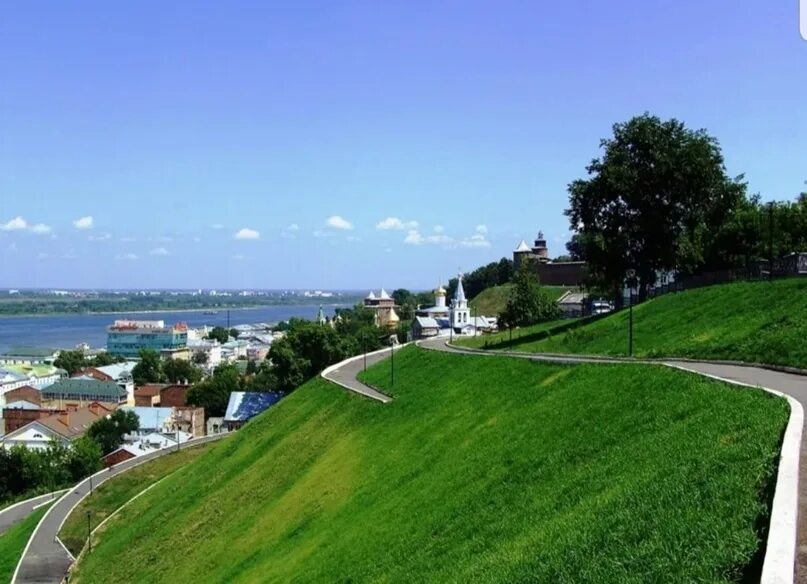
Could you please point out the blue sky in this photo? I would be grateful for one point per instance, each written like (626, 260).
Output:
(235, 145)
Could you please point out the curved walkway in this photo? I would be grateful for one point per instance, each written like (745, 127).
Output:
(781, 560)
(15, 513)
(45, 560)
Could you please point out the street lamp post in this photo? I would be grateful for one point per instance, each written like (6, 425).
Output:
(392, 364)
(631, 277)
(89, 533)
(770, 241)
(91, 490)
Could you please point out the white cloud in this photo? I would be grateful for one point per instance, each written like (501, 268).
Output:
(40, 228)
(321, 233)
(128, 239)
(482, 229)
(16, 224)
(163, 238)
(247, 233)
(197, 239)
(293, 227)
(83, 222)
(337, 222)
(159, 251)
(413, 237)
(217, 226)
(353, 238)
(100, 237)
(238, 257)
(126, 256)
(439, 229)
(394, 223)
(12, 247)
(475, 241)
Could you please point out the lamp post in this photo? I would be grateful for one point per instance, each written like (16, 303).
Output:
(89, 533)
(392, 363)
(770, 241)
(631, 278)
(364, 345)
(91, 490)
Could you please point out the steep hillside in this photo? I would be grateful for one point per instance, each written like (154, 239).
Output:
(762, 322)
(491, 301)
(480, 470)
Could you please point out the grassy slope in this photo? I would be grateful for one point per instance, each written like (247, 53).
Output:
(487, 341)
(480, 470)
(13, 541)
(491, 301)
(116, 491)
(750, 321)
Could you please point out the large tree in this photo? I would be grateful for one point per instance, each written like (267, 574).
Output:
(654, 201)
(528, 303)
(213, 393)
(149, 369)
(108, 431)
(181, 370)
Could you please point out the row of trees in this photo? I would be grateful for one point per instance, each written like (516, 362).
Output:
(660, 199)
(26, 472)
(152, 369)
(75, 360)
(528, 303)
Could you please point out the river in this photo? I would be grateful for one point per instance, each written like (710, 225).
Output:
(68, 330)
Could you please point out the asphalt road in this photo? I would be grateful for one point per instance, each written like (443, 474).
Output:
(19, 511)
(45, 560)
(347, 373)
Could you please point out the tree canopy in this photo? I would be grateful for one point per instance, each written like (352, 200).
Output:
(108, 431)
(213, 393)
(654, 201)
(220, 334)
(149, 369)
(181, 370)
(528, 302)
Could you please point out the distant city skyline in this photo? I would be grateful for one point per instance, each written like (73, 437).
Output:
(355, 146)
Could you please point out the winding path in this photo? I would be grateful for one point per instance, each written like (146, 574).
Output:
(780, 563)
(45, 559)
(15, 513)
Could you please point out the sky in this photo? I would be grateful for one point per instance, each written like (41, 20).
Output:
(355, 144)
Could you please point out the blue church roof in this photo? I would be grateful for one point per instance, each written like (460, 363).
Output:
(245, 405)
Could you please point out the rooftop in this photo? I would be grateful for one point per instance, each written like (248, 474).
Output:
(86, 388)
(245, 405)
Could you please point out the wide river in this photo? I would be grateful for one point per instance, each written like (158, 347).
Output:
(67, 330)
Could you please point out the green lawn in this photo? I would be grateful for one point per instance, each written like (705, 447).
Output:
(14, 540)
(116, 491)
(491, 301)
(759, 322)
(480, 470)
(506, 338)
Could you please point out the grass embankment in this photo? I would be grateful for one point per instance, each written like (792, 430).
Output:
(113, 493)
(14, 540)
(480, 470)
(505, 338)
(491, 301)
(756, 322)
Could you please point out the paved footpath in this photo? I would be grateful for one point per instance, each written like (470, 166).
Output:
(45, 560)
(787, 383)
(15, 513)
(346, 375)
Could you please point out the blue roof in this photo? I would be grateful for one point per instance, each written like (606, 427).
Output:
(245, 405)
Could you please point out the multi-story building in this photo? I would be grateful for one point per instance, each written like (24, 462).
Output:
(127, 337)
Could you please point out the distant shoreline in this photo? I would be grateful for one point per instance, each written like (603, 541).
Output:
(157, 311)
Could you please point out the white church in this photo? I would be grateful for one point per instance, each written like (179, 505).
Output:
(442, 320)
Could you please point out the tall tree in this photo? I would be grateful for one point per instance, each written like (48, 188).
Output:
(149, 369)
(528, 302)
(213, 393)
(181, 370)
(71, 361)
(108, 431)
(653, 201)
(220, 334)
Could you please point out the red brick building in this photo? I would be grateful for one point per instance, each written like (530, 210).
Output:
(173, 396)
(122, 454)
(24, 393)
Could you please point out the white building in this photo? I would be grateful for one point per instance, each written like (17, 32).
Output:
(442, 320)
